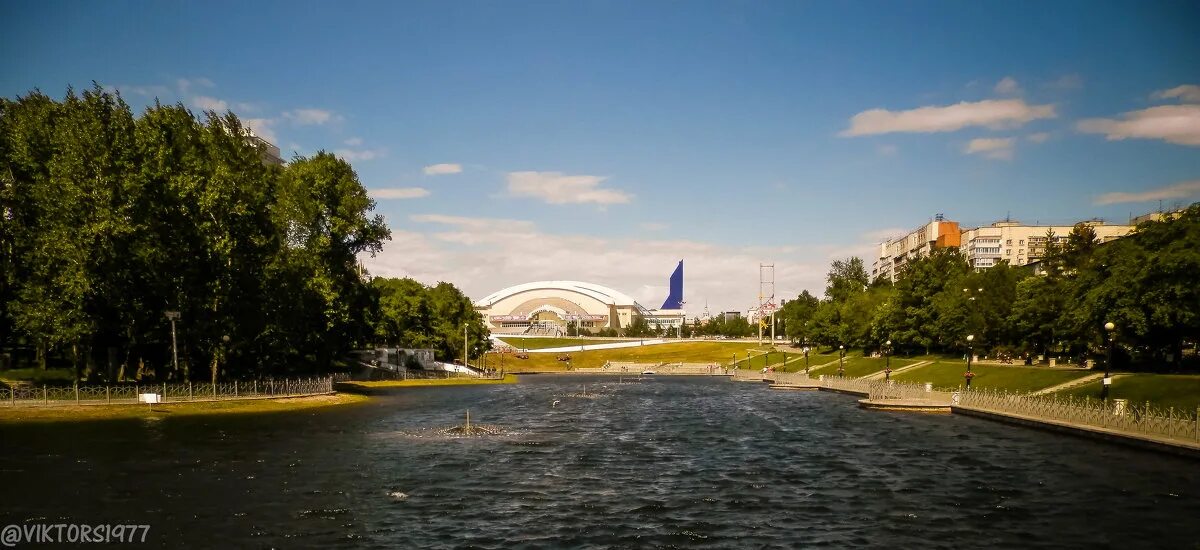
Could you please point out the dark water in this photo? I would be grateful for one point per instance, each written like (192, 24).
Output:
(667, 463)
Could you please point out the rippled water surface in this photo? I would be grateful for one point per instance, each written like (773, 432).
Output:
(667, 463)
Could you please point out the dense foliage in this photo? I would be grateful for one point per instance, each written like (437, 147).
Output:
(413, 315)
(110, 220)
(1147, 284)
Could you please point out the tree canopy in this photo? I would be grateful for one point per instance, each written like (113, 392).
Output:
(110, 220)
(1145, 284)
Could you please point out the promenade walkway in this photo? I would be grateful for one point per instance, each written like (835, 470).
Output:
(1071, 384)
(880, 375)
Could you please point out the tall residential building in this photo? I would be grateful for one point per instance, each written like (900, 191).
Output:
(1022, 244)
(894, 254)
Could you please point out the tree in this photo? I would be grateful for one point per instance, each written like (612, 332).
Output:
(846, 278)
(797, 314)
(912, 319)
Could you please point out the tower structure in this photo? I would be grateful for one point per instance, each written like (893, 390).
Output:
(766, 299)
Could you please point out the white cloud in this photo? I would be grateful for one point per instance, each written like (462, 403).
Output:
(653, 226)
(185, 84)
(993, 148)
(1007, 86)
(442, 169)
(559, 188)
(482, 255)
(206, 103)
(399, 192)
(351, 155)
(1038, 137)
(354, 142)
(1178, 124)
(262, 127)
(1178, 191)
(1187, 92)
(311, 117)
(990, 113)
(887, 150)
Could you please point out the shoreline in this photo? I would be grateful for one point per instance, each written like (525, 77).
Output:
(124, 411)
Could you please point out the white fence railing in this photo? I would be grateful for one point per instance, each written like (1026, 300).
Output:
(791, 378)
(748, 375)
(1114, 414)
(853, 385)
(891, 389)
(34, 396)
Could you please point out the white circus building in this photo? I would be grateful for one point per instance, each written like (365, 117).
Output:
(545, 307)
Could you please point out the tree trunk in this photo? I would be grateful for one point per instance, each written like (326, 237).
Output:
(75, 361)
(40, 355)
(216, 364)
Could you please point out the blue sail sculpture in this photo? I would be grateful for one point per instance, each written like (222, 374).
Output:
(675, 297)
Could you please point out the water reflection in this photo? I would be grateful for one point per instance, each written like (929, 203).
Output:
(667, 462)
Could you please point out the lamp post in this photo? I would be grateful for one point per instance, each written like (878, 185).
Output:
(1111, 329)
(841, 356)
(887, 357)
(970, 351)
(805, 360)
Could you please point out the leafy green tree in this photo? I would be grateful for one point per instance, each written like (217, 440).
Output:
(912, 320)
(797, 314)
(1146, 285)
(846, 278)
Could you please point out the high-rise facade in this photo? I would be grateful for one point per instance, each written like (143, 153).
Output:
(1021, 244)
(894, 254)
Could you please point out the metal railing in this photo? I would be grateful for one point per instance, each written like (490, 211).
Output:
(33, 396)
(748, 374)
(791, 378)
(840, 383)
(891, 389)
(1116, 414)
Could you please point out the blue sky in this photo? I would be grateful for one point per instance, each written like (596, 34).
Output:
(603, 141)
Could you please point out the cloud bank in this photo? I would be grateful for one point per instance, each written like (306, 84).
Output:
(989, 113)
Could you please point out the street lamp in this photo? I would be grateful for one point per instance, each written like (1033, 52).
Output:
(887, 357)
(805, 360)
(1111, 329)
(841, 356)
(970, 351)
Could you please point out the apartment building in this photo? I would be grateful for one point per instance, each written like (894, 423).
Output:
(894, 254)
(1021, 244)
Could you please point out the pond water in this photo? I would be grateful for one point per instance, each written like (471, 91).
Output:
(662, 463)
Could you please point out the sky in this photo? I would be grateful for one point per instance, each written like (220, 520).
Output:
(507, 142)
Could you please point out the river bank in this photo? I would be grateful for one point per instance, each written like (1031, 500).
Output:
(366, 386)
(71, 413)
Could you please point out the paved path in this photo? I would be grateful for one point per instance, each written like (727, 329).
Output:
(1073, 383)
(879, 375)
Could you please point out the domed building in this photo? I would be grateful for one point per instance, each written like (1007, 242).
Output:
(546, 307)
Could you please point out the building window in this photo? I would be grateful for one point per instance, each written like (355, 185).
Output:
(1022, 242)
(1009, 242)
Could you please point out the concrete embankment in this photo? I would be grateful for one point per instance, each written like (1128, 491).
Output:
(1174, 446)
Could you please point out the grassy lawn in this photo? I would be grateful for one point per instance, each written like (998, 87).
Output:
(366, 386)
(949, 375)
(1181, 391)
(686, 352)
(35, 375)
(760, 360)
(543, 343)
(71, 413)
(857, 366)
